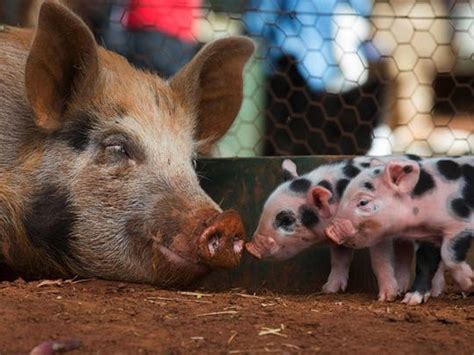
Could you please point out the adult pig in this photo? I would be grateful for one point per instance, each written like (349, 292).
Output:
(96, 157)
(431, 199)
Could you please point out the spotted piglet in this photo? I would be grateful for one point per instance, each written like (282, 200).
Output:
(432, 199)
(288, 225)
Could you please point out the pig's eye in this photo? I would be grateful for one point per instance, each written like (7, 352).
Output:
(363, 203)
(116, 149)
(115, 153)
(366, 205)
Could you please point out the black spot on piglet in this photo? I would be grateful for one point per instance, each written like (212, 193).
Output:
(300, 185)
(468, 190)
(369, 186)
(326, 184)
(49, 221)
(285, 219)
(413, 157)
(341, 186)
(350, 170)
(460, 208)
(425, 183)
(461, 245)
(449, 169)
(308, 217)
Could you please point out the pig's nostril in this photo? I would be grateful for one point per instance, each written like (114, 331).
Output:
(221, 243)
(238, 245)
(213, 243)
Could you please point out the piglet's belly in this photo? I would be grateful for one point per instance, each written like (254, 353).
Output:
(424, 233)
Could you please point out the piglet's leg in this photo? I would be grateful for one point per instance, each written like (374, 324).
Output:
(428, 257)
(381, 257)
(403, 251)
(438, 282)
(341, 258)
(453, 253)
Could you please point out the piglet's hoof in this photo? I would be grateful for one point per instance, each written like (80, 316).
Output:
(415, 298)
(388, 294)
(51, 347)
(222, 242)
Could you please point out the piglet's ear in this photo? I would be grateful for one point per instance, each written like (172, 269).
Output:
(62, 65)
(319, 197)
(289, 170)
(402, 176)
(211, 86)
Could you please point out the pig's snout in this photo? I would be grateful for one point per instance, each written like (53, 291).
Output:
(261, 246)
(331, 233)
(253, 250)
(222, 242)
(340, 230)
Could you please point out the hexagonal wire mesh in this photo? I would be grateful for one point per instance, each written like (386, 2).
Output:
(329, 77)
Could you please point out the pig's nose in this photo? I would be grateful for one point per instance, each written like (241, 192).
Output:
(253, 249)
(222, 242)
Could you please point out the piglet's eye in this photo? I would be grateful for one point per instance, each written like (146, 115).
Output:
(363, 203)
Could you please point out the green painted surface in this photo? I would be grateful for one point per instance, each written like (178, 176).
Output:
(244, 184)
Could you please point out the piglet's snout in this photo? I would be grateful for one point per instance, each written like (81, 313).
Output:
(261, 246)
(340, 230)
(253, 249)
(222, 242)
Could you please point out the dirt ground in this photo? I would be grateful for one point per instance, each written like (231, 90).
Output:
(113, 317)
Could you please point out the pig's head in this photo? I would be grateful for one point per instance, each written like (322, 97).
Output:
(113, 192)
(286, 221)
(374, 203)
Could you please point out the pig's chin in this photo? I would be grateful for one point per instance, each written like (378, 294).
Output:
(181, 262)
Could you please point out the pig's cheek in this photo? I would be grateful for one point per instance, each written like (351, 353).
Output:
(121, 170)
(114, 162)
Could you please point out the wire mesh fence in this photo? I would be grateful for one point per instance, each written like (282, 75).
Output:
(329, 77)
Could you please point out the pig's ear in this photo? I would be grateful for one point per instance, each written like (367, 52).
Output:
(62, 64)
(289, 170)
(319, 197)
(212, 85)
(402, 176)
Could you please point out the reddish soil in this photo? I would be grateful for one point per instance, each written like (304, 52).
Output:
(113, 317)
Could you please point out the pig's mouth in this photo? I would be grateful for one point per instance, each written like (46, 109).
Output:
(181, 261)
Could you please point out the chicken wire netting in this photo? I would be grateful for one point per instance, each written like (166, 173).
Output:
(329, 76)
